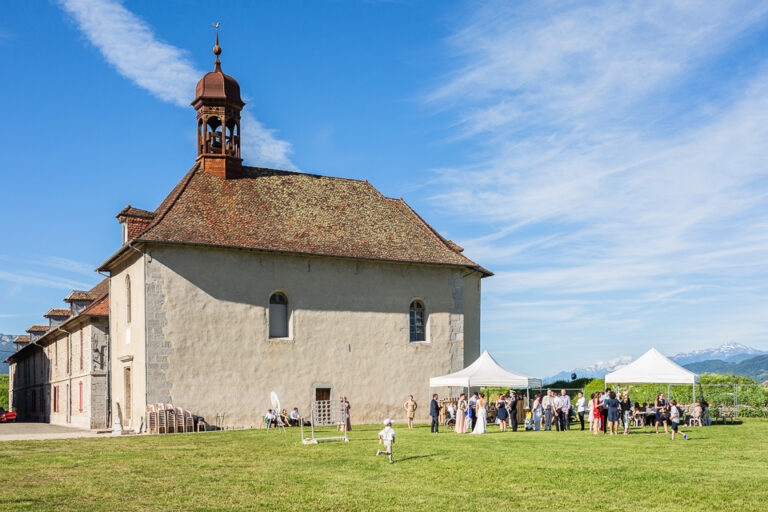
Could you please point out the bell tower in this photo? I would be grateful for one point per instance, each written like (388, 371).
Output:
(218, 105)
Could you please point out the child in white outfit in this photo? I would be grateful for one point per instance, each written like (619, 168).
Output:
(387, 437)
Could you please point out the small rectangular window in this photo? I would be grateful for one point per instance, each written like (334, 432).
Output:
(81, 350)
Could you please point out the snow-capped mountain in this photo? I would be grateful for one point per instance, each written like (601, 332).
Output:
(597, 370)
(729, 352)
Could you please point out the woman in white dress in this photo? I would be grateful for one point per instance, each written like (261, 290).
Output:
(482, 416)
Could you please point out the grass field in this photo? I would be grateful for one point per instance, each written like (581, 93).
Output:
(719, 468)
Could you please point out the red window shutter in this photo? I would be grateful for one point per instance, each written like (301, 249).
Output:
(81, 350)
(81, 396)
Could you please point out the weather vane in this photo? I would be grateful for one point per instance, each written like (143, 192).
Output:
(217, 48)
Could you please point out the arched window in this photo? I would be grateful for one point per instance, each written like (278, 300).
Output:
(278, 315)
(417, 320)
(128, 298)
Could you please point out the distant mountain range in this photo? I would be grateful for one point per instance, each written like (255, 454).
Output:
(729, 352)
(7, 348)
(726, 353)
(596, 371)
(754, 367)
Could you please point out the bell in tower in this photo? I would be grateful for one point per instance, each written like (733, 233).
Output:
(218, 105)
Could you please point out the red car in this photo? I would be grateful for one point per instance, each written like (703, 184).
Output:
(6, 416)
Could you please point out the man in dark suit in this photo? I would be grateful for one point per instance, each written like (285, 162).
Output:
(434, 411)
(513, 410)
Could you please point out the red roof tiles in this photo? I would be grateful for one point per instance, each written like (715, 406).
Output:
(294, 212)
(98, 308)
(22, 339)
(38, 328)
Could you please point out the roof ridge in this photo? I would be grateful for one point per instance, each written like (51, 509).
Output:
(182, 185)
(303, 173)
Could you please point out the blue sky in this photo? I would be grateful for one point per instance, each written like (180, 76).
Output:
(608, 160)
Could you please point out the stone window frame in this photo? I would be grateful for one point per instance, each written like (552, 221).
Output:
(427, 314)
(288, 316)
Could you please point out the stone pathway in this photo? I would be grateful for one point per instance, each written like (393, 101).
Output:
(39, 431)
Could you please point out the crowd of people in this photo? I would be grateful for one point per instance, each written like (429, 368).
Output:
(608, 411)
(604, 412)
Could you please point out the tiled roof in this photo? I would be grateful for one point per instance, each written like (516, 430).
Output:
(102, 287)
(294, 212)
(130, 211)
(22, 339)
(99, 307)
(38, 328)
(80, 295)
(57, 312)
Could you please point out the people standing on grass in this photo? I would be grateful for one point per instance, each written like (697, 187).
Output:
(472, 411)
(626, 411)
(612, 404)
(502, 413)
(548, 403)
(565, 411)
(674, 420)
(603, 409)
(595, 401)
(661, 412)
(347, 419)
(581, 408)
(482, 416)
(410, 407)
(461, 415)
(537, 412)
(512, 404)
(434, 412)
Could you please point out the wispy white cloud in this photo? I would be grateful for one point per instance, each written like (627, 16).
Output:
(607, 173)
(30, 278)
(130, 45)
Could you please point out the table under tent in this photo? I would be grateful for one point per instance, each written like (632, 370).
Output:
(486, 372)
(653, 367)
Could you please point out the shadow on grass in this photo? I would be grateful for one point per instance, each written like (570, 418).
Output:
(415, 457)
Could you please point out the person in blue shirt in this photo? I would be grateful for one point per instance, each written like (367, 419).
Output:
(612, 405)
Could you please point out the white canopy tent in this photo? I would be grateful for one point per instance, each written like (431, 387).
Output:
(485, 371)
(653, 367)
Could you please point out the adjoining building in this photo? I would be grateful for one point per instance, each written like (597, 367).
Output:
(60, 374)
(248, 280)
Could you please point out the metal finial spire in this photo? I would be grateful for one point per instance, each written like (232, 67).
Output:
(217, 48)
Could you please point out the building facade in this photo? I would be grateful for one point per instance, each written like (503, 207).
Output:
(248, 280)
(60, 376)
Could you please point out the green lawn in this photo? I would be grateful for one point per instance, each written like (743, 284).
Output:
(719, 468)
